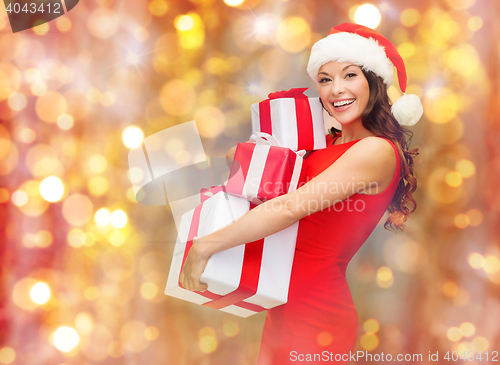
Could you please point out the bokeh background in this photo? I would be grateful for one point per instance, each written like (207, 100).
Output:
(84, 266)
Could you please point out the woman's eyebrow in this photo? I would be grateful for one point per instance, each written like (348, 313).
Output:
(348, 67)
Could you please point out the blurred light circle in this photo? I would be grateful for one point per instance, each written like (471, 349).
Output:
(50, 106)
(460, 4)
(491, 264)
(294, 34)
(210, 121)
(40, 293)
(450, 289)
(385, 278)
(19, 198)
(21, 293)
(410, 17)
(77, 209)
(467, 329)
(118, 218)
(207, 340)
(11, 80)
(440, 105)
(35, 205)
(63, 24)
(17, 101)
(454, 334)
(38, 88)
(66, 339)
(10, 158)
(151, 333)
(98, 163)
(475, 217)
(98, 186)
(132, 336)
(102, 217)
(230, 327)
(43, 239)
(91, 293)
(466, 168)
(149, 290)
(475, 23)
(475, 260)
(177, 97)
(117, 238)
(102, 23)
(371, 326)
(7, 355)
(65, 122)
(461, 221)
(368, 15)
(5, 141)
(4, 195)
(369, 341)
(407, 49)
(52, 189)
(481, 343)
(84, 322)
(454, 179)
(132, 136)
(184, 23)
(76, 237)
(439, 189)
(158, 7)
(27, 135)
(234, 2)
(324, 338)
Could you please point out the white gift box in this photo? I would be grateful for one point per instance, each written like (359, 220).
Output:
(295, 122)
(224, 271)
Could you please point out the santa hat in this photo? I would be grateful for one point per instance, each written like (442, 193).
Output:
(373, 52)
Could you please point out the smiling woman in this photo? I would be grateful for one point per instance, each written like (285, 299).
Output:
(335, 215)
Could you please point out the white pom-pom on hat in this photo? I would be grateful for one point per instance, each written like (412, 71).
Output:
(408, 109)
(370, 50)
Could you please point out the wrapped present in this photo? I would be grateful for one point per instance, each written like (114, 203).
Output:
(295, 120)
(263, 170)
(242, 280)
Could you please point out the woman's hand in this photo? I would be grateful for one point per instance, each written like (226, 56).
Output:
(195, 263)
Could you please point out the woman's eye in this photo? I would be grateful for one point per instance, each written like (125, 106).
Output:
(350, 75)
(324, 79)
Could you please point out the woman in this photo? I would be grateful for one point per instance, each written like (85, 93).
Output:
(364, 171)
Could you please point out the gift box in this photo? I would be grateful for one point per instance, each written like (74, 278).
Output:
(295, 120)
(242, 280)
(263, 170)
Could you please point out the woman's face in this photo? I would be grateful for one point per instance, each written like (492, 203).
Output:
(344, 91)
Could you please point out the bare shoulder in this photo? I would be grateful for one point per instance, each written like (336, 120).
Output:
(376, 158)
(374, 150)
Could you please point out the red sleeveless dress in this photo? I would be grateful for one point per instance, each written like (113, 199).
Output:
(319, 318)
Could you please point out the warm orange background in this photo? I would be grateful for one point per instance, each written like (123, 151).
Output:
(69, 89)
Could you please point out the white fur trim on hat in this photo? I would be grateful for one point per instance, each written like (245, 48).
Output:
(350, 47)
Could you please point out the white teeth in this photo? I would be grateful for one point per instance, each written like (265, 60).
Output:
(344, 102)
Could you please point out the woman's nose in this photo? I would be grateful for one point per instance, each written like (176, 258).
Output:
(338, 87)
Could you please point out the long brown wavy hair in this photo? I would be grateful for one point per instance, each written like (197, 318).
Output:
(378, 119)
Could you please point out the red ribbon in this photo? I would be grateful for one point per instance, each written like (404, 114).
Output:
(250, 271)
(302, 111)
(295, 93)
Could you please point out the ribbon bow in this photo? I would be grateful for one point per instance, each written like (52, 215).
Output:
(269, 140)
(206, 193)
(295, 93)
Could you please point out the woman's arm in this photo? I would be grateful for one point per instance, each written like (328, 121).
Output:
(370, 163)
